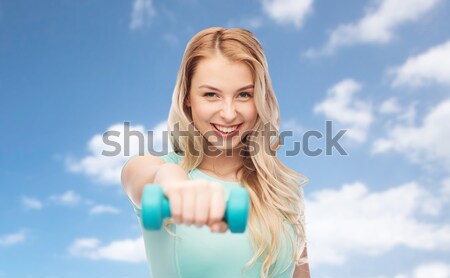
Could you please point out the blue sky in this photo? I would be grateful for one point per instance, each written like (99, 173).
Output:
(72, 70)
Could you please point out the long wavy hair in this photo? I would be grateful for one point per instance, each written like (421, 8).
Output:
(275, 191)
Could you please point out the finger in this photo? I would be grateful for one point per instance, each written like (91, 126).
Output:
(223, 227)
(188, 213)
(217, 207)
(219, 227)
(176, 205)
(202, 205)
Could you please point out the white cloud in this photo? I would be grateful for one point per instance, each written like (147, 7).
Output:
(394, 113)
(426, 270)
(107, 169)
(12, 239)
(377, 26)
(292, 125)
(101, 209)
(390, 106)
(351, 113)
(69, 198)
(353, 221)
(288, 11)
(432, 270)
(446, 187)
(408, 114)
(31, 203)
(432, 66)
(424, 143)
(142, 11)
(128, 250)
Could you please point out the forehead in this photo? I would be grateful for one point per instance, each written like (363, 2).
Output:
(221, 71)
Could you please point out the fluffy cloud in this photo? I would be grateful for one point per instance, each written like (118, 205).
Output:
(351, 113)
(31, 203)
(12, 239)
(435, 270)
(292, 125)
(426, 270)
(393, 113)
(106, 168)
(101, 209)
(423, 143)
(354, 221)
(288, 11)
(377, 26)
(69, 198)
(432, 66)
(390, 106)
(128, 250)
(142, 12)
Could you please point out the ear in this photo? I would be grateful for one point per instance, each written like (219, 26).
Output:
(187, 102)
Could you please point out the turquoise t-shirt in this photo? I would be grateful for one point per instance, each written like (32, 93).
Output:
(197, 252)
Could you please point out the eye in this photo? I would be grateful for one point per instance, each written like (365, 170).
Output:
(209, 94)
(245, 94)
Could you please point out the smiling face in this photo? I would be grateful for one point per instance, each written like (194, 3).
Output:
(221, 99)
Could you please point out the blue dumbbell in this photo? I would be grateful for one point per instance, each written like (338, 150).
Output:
(155, 207)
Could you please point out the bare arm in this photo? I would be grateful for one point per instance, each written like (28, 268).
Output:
(302, 271)
(142, 170)
(185, 207)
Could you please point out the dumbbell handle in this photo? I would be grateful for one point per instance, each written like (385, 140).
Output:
(156, 207)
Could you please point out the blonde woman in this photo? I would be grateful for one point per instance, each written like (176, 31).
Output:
(223, 125)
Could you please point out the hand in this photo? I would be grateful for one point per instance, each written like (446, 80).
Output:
(198, 202)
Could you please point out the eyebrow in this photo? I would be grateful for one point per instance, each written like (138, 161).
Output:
(251, 86)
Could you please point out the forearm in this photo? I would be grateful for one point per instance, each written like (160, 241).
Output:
(169, 173)
(136, 173)
(142, 170)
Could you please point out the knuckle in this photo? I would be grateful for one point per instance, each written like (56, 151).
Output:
(173, 190)
(182, 189)
(217, 187)
(188, 220)
(203, 185)
(203, 182)
(200, 222)
(215, 217)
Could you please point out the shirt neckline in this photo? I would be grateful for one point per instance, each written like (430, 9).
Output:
(200, 172)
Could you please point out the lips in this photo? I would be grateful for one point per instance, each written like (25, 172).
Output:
(226, 131)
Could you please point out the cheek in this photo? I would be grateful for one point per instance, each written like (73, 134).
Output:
(201, 113)
(250, 112)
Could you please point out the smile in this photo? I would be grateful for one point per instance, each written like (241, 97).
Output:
(226, 131)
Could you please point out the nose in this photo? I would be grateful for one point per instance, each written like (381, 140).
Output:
(228, 112)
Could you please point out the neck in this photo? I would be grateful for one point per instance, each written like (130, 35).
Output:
(221, 164)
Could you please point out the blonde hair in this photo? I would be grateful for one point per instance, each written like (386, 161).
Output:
(275, 190)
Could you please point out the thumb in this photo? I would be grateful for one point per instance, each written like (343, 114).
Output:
(219, 227)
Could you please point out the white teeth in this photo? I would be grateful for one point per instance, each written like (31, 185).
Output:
(226, 129)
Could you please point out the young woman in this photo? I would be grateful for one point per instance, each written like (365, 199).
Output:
(224, 122)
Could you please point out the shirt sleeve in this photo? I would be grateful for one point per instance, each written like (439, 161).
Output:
(172, 157)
